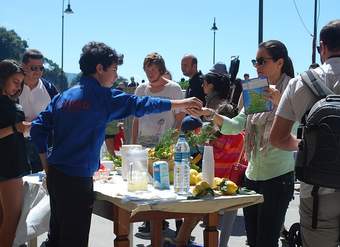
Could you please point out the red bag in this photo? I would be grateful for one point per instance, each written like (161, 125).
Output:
(237, 173)
(228, 151)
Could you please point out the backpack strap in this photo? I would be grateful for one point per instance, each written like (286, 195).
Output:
(51, 89)
(315, 195)
(315, 84)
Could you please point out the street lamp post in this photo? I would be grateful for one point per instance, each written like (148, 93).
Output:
(68, 10)
(214, 29)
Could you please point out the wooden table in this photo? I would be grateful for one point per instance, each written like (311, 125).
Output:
(124, 213)
(111, 206)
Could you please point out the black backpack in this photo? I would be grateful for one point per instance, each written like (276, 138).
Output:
(318, 156)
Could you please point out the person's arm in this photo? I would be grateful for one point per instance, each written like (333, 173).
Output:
(134, 134)
(226, 125)
(280, 134)
(4, 132)
(178, 120)
(41, 128)
(21, 127)
(186, 104)
(44, 163)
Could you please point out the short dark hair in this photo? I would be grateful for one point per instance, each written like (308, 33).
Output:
(246, 74)
(156, 59)
(330, 35)
(31, 54)
(8, 68)
(95, 53)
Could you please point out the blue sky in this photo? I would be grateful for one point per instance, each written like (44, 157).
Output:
(172, 28)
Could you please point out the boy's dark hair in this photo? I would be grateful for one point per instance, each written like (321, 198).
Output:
(330, 35)
(31, 54)
(156, 59)
(95, 53)
(8, 68)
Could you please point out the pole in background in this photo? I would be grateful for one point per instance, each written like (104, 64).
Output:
(315, 32)
(260, 21)
(214, 29)
(68, 10)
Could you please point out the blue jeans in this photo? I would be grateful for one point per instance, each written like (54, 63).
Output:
(263, 222)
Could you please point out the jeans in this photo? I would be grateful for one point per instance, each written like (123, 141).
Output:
(71, 200)
(263, 222)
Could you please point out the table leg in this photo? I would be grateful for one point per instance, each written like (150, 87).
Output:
(156, 233)
(210, 232)
(121, 228)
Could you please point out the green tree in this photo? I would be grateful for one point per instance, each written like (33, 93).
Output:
(75, 80)
(54, 74)
(11, 45)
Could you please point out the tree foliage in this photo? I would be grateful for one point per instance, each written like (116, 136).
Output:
(54, 74)
(11, 45)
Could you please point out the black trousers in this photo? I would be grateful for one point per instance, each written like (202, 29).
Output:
(263, 222)
(71, 200)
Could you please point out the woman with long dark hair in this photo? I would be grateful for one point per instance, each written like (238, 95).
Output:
(270, 170)
(13, 162)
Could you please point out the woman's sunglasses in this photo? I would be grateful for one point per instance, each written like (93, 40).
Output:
(260, 61)
(37, 68)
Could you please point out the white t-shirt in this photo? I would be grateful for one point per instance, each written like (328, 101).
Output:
(34, 101)
(151, 127)
(297, 99)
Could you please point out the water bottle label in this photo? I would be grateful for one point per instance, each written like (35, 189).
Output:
(180, 156)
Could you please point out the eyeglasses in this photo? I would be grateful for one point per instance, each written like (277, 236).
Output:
(318, 49)
(260, 61)
(37, 68)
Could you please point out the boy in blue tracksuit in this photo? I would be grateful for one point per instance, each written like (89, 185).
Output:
(77, 118)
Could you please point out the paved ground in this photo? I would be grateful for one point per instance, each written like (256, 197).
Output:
(101, 234)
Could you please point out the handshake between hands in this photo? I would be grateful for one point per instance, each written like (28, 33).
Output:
(192, 106)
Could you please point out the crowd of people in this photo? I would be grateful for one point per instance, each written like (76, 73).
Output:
(62, 134)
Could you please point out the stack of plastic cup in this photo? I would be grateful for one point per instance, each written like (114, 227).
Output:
(208, 165)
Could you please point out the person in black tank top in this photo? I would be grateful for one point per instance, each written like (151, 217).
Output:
(13, 161)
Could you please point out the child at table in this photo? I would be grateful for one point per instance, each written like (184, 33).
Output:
(77, 118)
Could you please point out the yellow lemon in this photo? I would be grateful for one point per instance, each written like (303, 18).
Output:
(217, 182)
(228, 187)
(193, 172)
(199, 177)
(192, 179)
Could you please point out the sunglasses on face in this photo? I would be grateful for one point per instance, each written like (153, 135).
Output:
(37, 68)
(260, 61)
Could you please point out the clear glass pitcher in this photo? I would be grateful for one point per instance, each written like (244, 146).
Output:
(138, 171)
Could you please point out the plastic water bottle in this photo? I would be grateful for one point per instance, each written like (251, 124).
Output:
(182, 166)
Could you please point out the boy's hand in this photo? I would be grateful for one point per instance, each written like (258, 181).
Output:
(23, 126)
(204, 111)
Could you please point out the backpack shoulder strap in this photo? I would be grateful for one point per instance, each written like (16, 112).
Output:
(315, 84)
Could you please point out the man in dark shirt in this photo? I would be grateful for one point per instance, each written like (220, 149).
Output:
(189, 68)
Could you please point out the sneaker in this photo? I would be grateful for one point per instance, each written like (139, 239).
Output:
(146, 235)
(145, 227)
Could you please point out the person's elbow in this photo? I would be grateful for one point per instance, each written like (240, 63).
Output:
(280, 133)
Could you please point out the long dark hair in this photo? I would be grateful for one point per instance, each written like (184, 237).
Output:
(220, 82)
(277, 50)
(8, 68)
